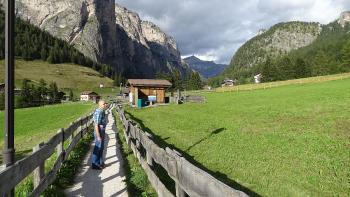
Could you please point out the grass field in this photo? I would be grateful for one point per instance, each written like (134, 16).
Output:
(71, 76)
(318, 79)
(35, 125)
(292, 140)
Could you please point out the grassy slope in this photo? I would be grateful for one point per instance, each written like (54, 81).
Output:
(34, 125)
(286, 141)
(77, 77)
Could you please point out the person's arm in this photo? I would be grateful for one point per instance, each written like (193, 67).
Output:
(97, 126)
(97, 129)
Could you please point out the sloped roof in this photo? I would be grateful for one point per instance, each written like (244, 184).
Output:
(149, 83)
(89, 93)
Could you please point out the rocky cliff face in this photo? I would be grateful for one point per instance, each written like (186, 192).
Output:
(278, 40)
(344, 18)
(146, 44)
(83, 23)
(106, 33)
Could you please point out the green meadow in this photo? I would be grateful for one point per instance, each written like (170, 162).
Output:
(38, 124)
(67, 76)
(292, 140)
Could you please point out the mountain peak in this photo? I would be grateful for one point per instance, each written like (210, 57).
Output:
(206, 68)
(344, 18)
(192, 58)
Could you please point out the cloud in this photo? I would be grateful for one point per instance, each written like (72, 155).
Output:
(215, 29)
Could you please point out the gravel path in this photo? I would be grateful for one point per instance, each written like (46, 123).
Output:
(109, 181)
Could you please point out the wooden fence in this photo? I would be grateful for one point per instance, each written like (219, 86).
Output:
(189, 179)
(13, 175)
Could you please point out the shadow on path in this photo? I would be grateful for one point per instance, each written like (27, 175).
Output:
(106, 182)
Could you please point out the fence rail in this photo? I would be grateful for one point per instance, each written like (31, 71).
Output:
(188, 178)
(14, 174)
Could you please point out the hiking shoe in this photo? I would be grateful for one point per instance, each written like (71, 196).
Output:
(96, 167)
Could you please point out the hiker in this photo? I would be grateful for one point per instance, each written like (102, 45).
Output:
(100, 122)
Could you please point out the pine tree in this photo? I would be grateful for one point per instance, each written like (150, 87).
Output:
(71, 95)
(285, 69)
(53, 93)
(345, 66)
(43, 54)
(302, 70)
(320, 64)
(25, 98)
(42, 91)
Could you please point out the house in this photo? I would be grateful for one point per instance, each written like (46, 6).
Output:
(228, 83)
(2, 87)
(17, 91)
(257, 78)
(147, 90)
(89, 96)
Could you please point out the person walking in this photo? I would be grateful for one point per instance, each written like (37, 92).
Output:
(100, 122)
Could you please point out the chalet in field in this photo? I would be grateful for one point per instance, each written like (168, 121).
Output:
(257, 78)
(89, 96)
(147, 91)
(228, 83)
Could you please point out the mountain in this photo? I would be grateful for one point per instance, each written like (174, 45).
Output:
(207, 69)
(145, 46)
(293, 50)
(103, 31)
(280, 39)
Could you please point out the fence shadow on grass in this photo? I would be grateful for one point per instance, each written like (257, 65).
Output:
(215, 132)
(219, 175)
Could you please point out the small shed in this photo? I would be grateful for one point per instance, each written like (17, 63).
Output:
(228, 83)
(147, 89)
(257, 78)
(89, 96)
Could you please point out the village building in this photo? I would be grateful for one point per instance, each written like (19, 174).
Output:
(89, 96)
(257, 78)
(147, 90)
(228, 83)
(17, 91)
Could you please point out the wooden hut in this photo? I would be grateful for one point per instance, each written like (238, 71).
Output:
(147, 89)
(89, 96)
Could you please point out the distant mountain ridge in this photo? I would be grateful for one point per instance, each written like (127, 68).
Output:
(207, 69)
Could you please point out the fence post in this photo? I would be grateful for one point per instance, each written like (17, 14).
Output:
(148, 156)
(179, 191)
(60, 146)
(73, 132)
(39, 172)
(81, 128)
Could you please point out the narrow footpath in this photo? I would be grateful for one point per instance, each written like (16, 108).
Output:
(106, 182)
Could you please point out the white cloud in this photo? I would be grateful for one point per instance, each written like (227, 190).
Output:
(214, 30)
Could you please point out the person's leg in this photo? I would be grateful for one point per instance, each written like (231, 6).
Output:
(96, 152)
(101, 162)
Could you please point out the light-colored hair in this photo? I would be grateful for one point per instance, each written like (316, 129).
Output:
(101, 103)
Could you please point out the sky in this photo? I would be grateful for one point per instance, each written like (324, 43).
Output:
(215, 29)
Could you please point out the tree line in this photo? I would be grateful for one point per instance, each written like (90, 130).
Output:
(192, 81)
(33, 43)
(36, 94)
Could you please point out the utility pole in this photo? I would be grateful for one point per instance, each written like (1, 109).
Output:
(9, 150)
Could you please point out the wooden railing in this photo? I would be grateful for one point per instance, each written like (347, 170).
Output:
(188, 178)
(14, 174)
